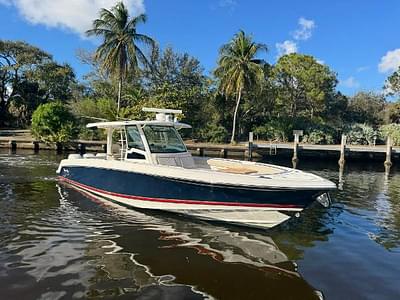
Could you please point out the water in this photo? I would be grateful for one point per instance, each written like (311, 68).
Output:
(57, 243)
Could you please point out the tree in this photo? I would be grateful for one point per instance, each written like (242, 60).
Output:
(393, 83)
(366, 107)
(29, 77)
(56, 81)
(52, 122)
(303, 86)
(119, 52)
(17, 61)
(238, 69)
(175, 80)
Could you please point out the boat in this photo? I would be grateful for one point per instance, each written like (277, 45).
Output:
(153, 169)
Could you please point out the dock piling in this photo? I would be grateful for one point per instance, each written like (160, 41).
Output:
(295, 158)
(35, 146)
(59, 148)
(388, 161)
(342, 150)
(250, 147)
(200, 151)
(82, 148)
(13, 145)
(223, 153)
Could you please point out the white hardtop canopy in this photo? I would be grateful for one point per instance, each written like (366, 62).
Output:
(121, 124)
(164, 117)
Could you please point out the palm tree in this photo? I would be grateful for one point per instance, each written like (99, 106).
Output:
(238, 69)
(119, 52)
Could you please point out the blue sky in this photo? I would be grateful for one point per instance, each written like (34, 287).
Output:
(358, 39)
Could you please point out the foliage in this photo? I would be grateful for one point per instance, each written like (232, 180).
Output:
(392, 130)
(119, 53)
(238, 69)
(278, 129)
(392, 112)
(214, 134)
(303, 86)
(393, 83)
(366, 107)
(91, 109)
(361, 134)
(52, 122)
(318, 136)
(29, 77)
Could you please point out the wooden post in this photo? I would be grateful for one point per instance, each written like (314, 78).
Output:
(13, 146)
(295, 158)
(250, 153)
(81, 148)
(341, 181)
(342, 150)
(200, 151)
(388, 161)
(35, 146)
(59, 148)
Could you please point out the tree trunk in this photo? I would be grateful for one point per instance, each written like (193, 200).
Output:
(235, 115)
(119, 94)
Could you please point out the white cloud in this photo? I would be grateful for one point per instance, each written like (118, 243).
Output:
(362, 69)
(390, 61)
(74, 15)
(286, 47)
(350, 82)
(231, 4)
(305, 30)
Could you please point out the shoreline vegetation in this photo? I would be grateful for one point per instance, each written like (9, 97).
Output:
(243, 94)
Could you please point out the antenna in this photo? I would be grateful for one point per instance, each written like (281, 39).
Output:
(163, 115)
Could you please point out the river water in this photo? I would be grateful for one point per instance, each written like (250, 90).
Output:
(57, 243)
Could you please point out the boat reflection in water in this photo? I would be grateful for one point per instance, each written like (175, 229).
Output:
(172, 251)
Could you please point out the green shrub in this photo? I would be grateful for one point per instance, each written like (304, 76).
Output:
(318, 137)
(361, 134)
(52, 122)
(393, 130)
(275, 130)
(214, 134)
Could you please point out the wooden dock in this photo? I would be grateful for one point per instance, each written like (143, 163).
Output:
(21, 139)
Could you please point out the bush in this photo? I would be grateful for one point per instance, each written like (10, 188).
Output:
(214, 134)
(393, 130)
(52, 122)
(361, 134)
(278, 130)
(318, 137)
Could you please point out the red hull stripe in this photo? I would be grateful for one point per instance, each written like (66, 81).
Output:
(180, 201)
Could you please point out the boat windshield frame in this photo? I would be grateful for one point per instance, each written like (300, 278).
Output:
(165, 134)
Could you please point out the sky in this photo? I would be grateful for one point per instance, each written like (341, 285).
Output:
(357, 39)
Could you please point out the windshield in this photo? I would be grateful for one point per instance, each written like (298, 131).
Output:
(134, 139)
(163, 139)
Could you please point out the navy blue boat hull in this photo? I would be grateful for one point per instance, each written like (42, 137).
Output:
(164, 189)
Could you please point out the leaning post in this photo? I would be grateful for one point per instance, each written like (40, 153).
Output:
(342, 150)
(388, 161)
